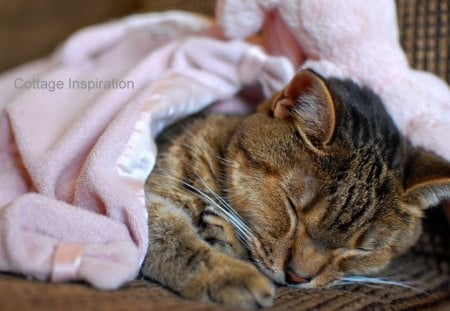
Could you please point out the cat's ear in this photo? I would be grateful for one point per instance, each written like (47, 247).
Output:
(308, 101)
(427, 179)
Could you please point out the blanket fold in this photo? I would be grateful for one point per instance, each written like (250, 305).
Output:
(76, 138)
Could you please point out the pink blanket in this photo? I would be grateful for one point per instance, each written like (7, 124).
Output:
(76, 138)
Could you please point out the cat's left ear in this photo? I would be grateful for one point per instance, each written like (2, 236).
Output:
(427, 179)
(307, 101)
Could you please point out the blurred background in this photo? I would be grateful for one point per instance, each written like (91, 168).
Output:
(31, 29)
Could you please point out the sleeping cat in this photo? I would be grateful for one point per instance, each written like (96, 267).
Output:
(316, 185)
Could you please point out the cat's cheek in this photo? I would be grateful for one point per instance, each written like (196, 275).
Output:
(348, 262)
(362, 262)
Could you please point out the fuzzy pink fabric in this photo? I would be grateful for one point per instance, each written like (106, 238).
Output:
(73, 161)
(350, 39)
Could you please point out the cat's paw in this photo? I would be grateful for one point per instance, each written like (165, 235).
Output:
(233, 282)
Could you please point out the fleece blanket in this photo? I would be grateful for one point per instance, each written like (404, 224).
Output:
(76, 137)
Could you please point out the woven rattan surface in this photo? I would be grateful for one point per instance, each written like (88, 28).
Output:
(425, 34)
(424, 271)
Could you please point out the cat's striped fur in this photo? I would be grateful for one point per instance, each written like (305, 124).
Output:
(317, 185)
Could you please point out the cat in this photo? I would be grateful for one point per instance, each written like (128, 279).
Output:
(316, 185)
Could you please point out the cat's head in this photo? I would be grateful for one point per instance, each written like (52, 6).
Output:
(327, 185)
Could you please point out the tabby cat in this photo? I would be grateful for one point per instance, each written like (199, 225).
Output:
(316, 185)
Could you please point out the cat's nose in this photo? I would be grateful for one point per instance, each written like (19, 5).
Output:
(294, 278)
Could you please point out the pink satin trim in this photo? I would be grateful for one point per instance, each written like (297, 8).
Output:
(66, 262)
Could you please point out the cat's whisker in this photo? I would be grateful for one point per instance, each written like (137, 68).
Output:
(370, 281)
(225, 203)
(235, 218)
(223, 160)
(214, 204)
(244, 232)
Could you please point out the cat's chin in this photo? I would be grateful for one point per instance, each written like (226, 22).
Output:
(324, 280)
(314, 284)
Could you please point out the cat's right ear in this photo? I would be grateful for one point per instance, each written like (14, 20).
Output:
(308, 101)
(427, 179)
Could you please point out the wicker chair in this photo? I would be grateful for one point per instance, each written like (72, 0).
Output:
(29, 29)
